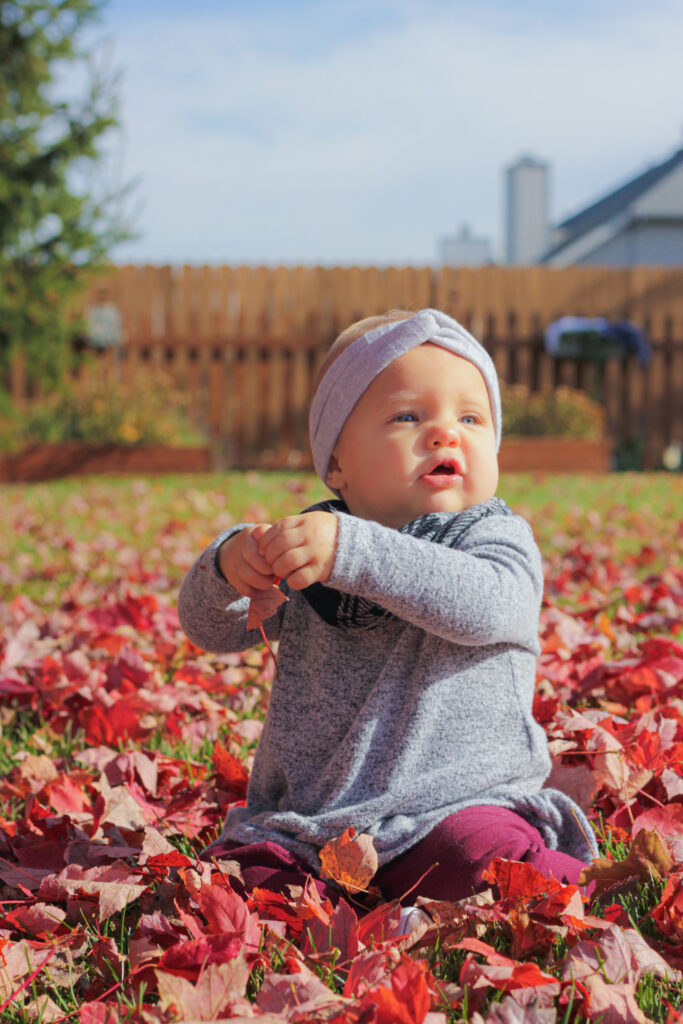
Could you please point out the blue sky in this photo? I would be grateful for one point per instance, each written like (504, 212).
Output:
(359, 131)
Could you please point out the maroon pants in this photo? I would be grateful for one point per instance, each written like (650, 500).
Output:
(446, 865)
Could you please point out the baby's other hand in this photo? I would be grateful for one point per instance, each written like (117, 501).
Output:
(243, 565)
(301, 549)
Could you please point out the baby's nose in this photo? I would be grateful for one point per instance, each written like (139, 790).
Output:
(444, 434)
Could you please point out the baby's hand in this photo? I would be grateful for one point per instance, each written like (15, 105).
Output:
(301, 548)
(243, 565)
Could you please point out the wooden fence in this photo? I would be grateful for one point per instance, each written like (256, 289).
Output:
(195, 303)
(251, 397)
(245, 342)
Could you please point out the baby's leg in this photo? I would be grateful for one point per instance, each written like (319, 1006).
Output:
(266, 865)
(454, 855)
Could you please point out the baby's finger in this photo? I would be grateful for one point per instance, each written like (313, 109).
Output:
(290, 561)
(304, 576)
(281, 528)
(277, 544)
(255, 580)
(253, 557)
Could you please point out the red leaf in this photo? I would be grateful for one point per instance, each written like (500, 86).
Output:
(99, 1013)
(231, 771)
(527, 975)
(408, 999)
(409, 986)
(276, 906)
(264, 606)
(492, 955)
(38, 919)
(516, 880)
(187, 959)
(67, 797)
(110, 726)
(218, 991)
(340, 933)
(544, 708)
(366, 971)
(667, 820)
(380, 924)
(668, 914)
(227, 914)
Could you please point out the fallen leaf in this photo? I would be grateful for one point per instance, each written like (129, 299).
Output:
(264, 606)
(38, 768)
(619, 955)
(647, 858)
(578, 781)
(405, 1000)
(42, 1009)
(613, 1004)
(227, 914)
(668, 914)
(99, 1013)
(39, 919)
(231, 772)
(302, 992)
(114, 886)
(350, 860)
(341, 932)
(220, 987)
(509, 1011)
(666, 821)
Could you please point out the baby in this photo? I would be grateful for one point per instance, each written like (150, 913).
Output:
(408, 646)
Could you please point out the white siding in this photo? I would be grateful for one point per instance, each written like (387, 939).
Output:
(665, 199)
(644, 244)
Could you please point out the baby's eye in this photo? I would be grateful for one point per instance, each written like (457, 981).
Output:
(405, 417)
(469, 418)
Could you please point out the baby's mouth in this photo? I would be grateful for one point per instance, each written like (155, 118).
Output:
(444, 470)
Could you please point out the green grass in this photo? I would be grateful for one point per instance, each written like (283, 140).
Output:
(135, 510)
(99, 527)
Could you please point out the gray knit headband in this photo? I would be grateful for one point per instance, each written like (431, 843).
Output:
(358, 365)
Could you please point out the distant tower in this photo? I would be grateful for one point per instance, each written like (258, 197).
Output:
(464, 249)
(526, 210)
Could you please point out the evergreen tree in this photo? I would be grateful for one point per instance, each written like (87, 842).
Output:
(54, 231)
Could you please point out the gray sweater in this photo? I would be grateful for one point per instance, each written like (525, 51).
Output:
(392, 729)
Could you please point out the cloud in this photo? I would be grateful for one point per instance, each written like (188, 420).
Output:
(285, 139)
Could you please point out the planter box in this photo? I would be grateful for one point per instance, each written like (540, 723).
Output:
(73, 458)
(554, 455)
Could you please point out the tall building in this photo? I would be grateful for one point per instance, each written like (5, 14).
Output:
(526, 210)
(464, 249)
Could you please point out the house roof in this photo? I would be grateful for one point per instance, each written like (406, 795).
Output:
(614, 203)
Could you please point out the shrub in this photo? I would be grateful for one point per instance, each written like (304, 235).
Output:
(563, 412)
(95, 409)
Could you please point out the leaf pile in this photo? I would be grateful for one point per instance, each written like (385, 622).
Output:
(123, 746)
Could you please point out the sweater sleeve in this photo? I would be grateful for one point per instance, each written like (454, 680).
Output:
(212, 614)
(486, 591)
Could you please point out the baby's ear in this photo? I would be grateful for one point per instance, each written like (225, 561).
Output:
(334, 477)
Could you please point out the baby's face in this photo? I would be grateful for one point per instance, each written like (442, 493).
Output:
(420, 439)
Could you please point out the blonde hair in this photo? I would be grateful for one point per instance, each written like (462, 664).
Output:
(355, 331)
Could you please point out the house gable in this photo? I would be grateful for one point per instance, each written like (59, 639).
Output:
(656, 195)
(664, 201)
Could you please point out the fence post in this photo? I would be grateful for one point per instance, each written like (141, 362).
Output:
(17, 378)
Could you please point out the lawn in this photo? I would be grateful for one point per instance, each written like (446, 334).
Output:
(123, 745)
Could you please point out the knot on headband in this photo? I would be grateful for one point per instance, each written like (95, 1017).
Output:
(350, 374)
